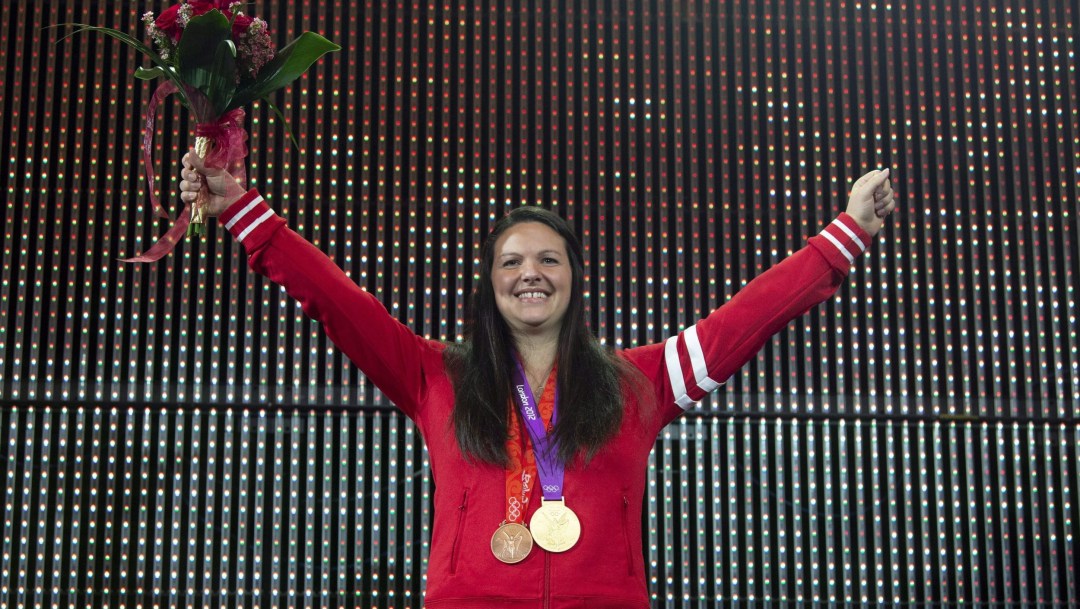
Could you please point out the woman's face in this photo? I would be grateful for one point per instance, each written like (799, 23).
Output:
(532, 278)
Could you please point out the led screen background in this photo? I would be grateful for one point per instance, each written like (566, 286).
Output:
(180, 434)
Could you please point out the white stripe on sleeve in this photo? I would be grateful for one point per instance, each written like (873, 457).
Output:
(674, 369)
(697, 360)
(851, 234)
(243, 212)
(263, 218)
(839, 246)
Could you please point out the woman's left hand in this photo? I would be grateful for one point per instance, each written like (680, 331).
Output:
(872, 199)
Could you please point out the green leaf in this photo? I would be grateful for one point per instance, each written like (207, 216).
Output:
(223, 76)
(284, 122)
(149, 73)
(289, 64)
(138, 45)
(204, 64)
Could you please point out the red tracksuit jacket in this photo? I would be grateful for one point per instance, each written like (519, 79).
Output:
(605, 569)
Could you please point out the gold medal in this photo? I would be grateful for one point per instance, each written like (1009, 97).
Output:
(554, 526)
(511, 542)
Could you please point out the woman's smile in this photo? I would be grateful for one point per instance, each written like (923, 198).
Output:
(532, 278)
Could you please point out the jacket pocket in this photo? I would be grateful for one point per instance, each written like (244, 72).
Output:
(456, 548)
(626, 535)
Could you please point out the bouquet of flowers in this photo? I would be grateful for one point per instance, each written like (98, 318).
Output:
(217, 60)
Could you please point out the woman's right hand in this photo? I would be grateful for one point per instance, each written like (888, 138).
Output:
(872, 199)
(222, 187)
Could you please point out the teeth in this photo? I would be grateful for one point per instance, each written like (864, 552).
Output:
(532, 295)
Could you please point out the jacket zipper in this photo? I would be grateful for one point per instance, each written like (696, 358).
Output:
(547, 580)
(626, 535)
(457, 535)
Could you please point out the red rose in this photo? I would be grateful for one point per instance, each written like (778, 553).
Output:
(198, 7)
(166, 22)
(223, 6)
(240, 25)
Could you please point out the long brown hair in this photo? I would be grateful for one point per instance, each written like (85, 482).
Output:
(588, 380)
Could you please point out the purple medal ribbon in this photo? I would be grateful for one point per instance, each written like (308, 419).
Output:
(548, 467)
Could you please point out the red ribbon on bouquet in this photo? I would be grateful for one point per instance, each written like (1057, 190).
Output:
(228, 149)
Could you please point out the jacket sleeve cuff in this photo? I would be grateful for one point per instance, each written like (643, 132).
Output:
(843, 240)
(250, 220)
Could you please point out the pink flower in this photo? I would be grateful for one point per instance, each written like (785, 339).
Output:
(254, 48)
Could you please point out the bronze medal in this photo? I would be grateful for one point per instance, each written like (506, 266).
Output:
(511, 543)
(555, 527)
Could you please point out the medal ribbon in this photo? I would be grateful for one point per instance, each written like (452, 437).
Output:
(521, 473)
(550, 470)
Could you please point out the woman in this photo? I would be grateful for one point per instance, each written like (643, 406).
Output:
(538, 437)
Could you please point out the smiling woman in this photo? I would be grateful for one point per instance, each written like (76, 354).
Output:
(516, 462)
(190, 438)
(532, 280)
(530, 302)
